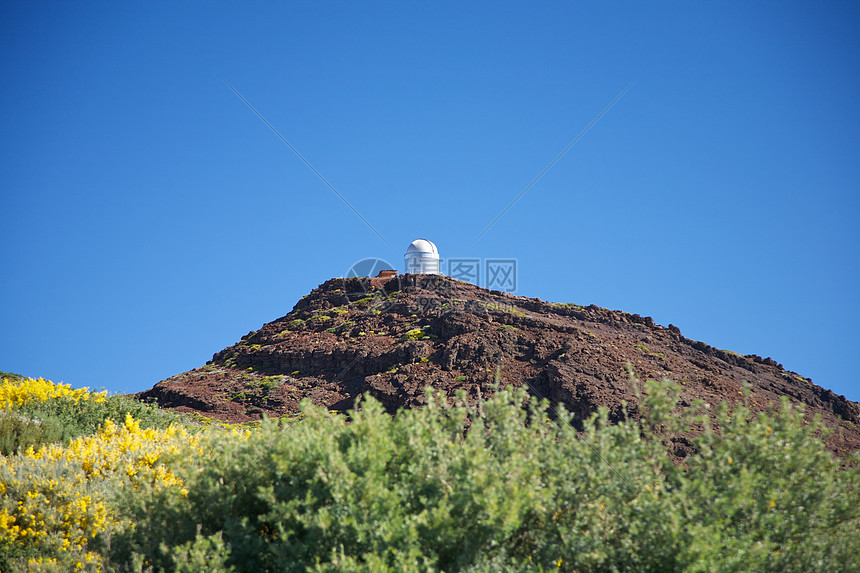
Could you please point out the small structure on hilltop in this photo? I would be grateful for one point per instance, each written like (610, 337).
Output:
(383, 278)
(422, 258)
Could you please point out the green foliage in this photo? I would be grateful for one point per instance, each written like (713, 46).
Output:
(230, 361)
(266, 383)
(419, 333)
(502, 486)
(646, 350)
(57, 421)
(413, 334)
(767, 494)
(505, 485)
(56, 499)
(569, 305)
(364, 300)
(84, 417)
(271, 382)
(507, 308)
(19, 431)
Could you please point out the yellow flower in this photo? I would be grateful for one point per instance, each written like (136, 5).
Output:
(18, 393)
(47, 506)
(5, 519)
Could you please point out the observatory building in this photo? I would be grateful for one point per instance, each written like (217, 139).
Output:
(422, 258)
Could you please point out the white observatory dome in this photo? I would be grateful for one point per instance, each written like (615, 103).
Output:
(422, 257)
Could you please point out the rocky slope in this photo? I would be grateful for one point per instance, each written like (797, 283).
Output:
(393, 337)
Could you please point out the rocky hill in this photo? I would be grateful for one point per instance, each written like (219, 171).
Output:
(394, 336)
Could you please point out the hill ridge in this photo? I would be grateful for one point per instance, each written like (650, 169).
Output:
(392, 337)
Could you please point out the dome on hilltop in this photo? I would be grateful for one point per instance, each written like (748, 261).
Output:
(422, 246)
(422, 257)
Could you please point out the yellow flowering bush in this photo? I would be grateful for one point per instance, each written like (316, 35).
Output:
(37, 412)
(126, 449)
(56, 498)
(17, 393)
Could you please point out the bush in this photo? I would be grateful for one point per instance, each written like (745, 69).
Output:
(505, 485)
(66, 452)
(35, 412)
(501, 486)
(58, 504)
(18, 431)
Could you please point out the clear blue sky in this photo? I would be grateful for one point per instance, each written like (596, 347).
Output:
(151, 219)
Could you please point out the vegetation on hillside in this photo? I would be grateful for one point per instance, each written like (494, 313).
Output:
(504, 485)
(34, 412)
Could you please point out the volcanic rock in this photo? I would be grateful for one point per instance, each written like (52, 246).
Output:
(394, 337)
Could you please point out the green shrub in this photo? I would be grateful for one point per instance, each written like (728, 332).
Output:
(416, 334)
(505, 485)
(19, 431)
(44, 420)
(56, 511)
(85, 416)
(269, 383)
(516, 491)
